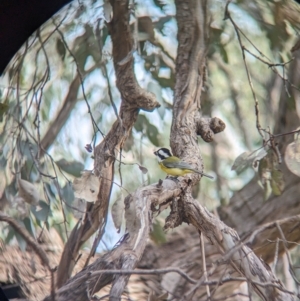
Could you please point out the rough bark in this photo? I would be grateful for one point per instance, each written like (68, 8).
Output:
(128, 253)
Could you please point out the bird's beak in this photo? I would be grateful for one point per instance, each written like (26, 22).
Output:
(155, 153)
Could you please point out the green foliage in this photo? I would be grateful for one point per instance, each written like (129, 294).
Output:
(42, 213)
(143, 125)
(72, 167)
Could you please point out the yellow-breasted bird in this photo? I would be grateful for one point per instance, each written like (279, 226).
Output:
(174, 166)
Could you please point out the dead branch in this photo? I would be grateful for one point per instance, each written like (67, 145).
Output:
(126, 255)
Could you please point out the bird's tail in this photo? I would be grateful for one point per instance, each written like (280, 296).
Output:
(204, 174)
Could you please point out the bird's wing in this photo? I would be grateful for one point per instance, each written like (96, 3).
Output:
(184, 165)
(179, 164)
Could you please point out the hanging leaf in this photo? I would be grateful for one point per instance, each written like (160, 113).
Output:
(28, 192)
(159, 3)
(270, 175)
(155, 88)
(277, 182)
(145, 29)
(42, 211)
(264, 169)
(143, 169)
(152, 133)
(78, 208)
(60, 48)
(73, 168)
(248, 159)
(292, 157)
(3, 110)
(68, 193)
(21, 241)
(140, 123)
(86, 187)
(241, 162)
(107, 11)
(29, 226)
(258, 156)
(159, 25)
(51, 190)
(117, 212)
(223, 54)
(10, 235)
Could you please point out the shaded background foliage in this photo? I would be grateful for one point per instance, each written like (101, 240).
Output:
(58, 95)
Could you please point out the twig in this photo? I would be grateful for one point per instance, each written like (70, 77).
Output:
(104, 70)
(258, 126)
(287, 253)
(272, 66)
(94, 123)
(204, 264)
(145, 272)
(276, 255)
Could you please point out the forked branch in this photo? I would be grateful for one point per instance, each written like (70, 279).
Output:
(133, 99)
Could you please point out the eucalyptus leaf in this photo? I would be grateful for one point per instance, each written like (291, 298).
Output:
(152, 134)
(292, 157)
(117, 212)
(29, 226)
(241, 162)
(42, 211)
(10, 235)
(107, 11)
(87, 187)
(155, 88)
(68, 193)
(73, 168)
(21, 241)
(27, 149)
(61, 48)
(141, 123)
(143, 169)
(3, 110)
(277, 182)
(223, 54)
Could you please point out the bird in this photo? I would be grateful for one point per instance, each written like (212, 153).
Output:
(173, 165)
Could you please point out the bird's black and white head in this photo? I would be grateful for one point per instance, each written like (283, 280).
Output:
(162, 153)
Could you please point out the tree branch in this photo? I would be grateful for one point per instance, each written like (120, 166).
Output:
(127, 254)
(133, 99)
